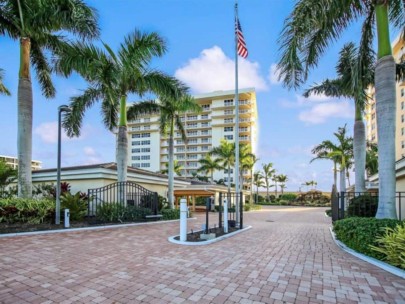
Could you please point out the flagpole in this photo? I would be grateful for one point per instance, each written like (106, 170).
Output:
(236, 119)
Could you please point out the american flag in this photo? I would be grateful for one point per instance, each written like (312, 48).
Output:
(242, 49)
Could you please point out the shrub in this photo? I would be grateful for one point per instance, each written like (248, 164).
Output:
(162, 203)
(288, 196)
(113, 212)
(392, 246)
(246, 207)
(359, 233)
(170, 214)
(363, 206)
(329, 212)
(23, 210)
(252, 207)
(76, 203)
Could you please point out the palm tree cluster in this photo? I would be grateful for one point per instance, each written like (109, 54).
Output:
(111, 76)
(265, 177)
(311, 27)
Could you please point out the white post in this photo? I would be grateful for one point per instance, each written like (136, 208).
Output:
(183, 220)
(67, 218)
(225, 215)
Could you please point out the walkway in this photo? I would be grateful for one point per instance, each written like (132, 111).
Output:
(288, 257)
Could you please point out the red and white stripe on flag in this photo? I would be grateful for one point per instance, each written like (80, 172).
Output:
(241, 44)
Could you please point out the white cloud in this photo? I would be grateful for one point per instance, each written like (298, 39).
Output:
(48, 132)
(320, 113)
(212, 70)
(274, 74)
(92, 156)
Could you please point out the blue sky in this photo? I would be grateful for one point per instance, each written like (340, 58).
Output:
(201, 53)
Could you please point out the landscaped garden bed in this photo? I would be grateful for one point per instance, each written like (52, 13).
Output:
(195, 236)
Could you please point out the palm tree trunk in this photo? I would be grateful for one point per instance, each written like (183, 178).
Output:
(359, 150)
(122, 143)
(24, 137)
(342, 179)
(229, 180)
(275, 185)
(334, 173)
(251, 186)
(267, 187)
(386, 111)
(171, 166)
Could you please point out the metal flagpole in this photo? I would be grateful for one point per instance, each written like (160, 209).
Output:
(236, 119)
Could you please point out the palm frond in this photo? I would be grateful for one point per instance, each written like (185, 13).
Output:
(142, 108)
(3, 89)
(43, 70)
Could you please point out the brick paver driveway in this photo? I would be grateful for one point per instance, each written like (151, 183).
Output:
(288, 257)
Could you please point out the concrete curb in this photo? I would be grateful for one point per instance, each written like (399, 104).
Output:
(172, 240)
(85, 228)
(387, 267)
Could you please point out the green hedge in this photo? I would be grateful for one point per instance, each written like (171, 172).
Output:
(170, 214)
(360, 233)
(113, 213)
(22, 210)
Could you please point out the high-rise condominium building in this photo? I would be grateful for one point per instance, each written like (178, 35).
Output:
(13, 162)
(148, 149)
(398, 47)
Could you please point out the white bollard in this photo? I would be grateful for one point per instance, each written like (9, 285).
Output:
(225, 215)
(67, 218)
(183, 220)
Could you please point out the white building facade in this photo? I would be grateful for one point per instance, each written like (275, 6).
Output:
(148, 149)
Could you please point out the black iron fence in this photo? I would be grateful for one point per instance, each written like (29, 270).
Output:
(233, 219)
(362, 204)
(120, 196)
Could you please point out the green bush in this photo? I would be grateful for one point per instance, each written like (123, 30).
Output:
(329, 212)
(288, 196)
(24, 210)
(363, 206)
(359, 233)
(170, 214)
(113, 212)
(392, 246)
(76, 203)
(246, 207)
(252, 207)
(162, 203)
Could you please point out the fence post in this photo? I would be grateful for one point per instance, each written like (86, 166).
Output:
(342, 205)
(399, 206)
(156, 202)
(241, 211)
(335, 204)
(220, 211)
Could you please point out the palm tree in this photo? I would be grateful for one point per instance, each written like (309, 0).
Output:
(40, 27)
(268, 173)
(321, 151)
(282, 179)
(371, 159)
(312, 26)
(258, 182)
(111, 78)
(3, 89)
(170, 109)
(208, 165)
(7, 176)
(355, 74)
(249, 165)
(225, 153)
(274, 178)
(177, 167)
(246, 158)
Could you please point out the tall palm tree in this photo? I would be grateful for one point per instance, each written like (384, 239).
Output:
(111, 77)
(282, 179)
(355, 71)
(177, 167)
(321, 151)
(371, 159)
(40, 27)
(258, 182)
(208, 165)
(3, 89)
(170, 109)
(274, 178)
(308, 31)
(225, 153)
(268, 173)
(246, 158)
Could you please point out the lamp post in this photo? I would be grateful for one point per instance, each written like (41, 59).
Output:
(62, 108)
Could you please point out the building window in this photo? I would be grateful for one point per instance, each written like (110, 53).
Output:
(226, 179)
(402, 105)
(145, 134)
(193, 141)
(205, 116)
(205, 107)
(373, 116)
(228, 129)
(402, 92)
(136, 128)
(137, 157)
(179, 142)
(192, 125)
(372, 106)
(228, 137)
(228, 112)
(192, 133)
(146, 120)
(243, 129)
(145, 150)
(136, 135)
(205, 148)
(145, 165)
(137, 150)
(402, 144)
(228, 102)
(402, 118)
(145, 142)
(373, 137)
(193, 117)
(145, 157)
(181, 156)
(136, 143)
(136, 165)
(228, 120)
(373, 126)
(192, 149)
(205, 124)
(180, 149)
(205, 140)
(205, 132)
(226, 171)
(146, 127)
